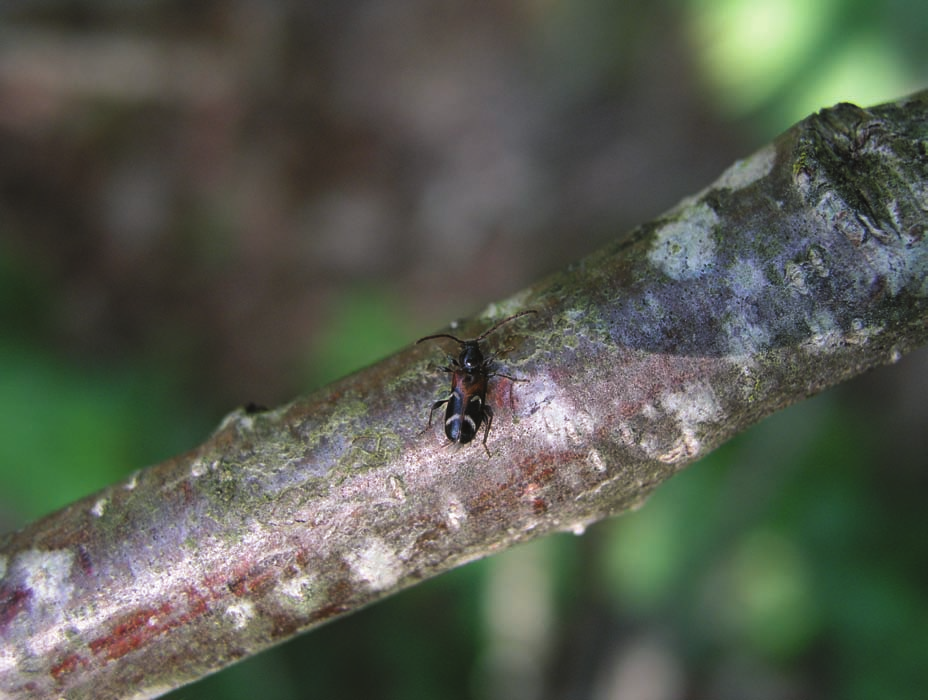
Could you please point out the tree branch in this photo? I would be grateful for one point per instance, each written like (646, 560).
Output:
(803, 265)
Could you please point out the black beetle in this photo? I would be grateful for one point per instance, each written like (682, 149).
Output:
(467, 401)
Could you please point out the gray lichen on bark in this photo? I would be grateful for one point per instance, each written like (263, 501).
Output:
(801, 266)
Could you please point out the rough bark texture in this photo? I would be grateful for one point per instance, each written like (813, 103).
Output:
(803, 265)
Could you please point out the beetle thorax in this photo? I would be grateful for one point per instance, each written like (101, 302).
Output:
(471, 358)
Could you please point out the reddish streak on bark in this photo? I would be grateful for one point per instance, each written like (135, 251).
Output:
(132, 631)
(67, 665)
(12, 602)
(258, 578)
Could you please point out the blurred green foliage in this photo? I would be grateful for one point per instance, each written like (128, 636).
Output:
(72, 429)
(364, 324)
(71, 425)
(775, 61)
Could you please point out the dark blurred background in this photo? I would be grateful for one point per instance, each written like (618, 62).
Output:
(205, 204)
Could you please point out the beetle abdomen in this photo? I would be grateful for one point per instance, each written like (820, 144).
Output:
(463, 416)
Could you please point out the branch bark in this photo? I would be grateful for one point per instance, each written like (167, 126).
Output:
(802, 266)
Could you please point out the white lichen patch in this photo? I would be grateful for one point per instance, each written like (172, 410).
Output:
(690, 408)
(565, 426)
(860, 332)
(3, 561)
(297, 588)
(240, 613)
(455, 513)
(131, 482)
(198, 468)
(238, 418)
(685, 248)
(800, 273)
(824, 333)
(694, 405)
(744, 338)
(628, 435)
(795, 277)
(684, 447)
(8, 660)
(746, 279)
(377, 564)
(649, 411)
(596, 460)
(578, 528)
(748, 170)
(99, 507)
(816, 261)
(47, 574)
(506, 307)
(396, 489)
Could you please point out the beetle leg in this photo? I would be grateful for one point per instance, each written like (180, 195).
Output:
(488, 417)
(511, 379)
(506, 376)
(435, 406)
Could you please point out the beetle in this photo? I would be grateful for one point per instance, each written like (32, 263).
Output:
(470, 372)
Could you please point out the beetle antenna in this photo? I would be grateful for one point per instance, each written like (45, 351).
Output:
(440, 335)
(500, 323)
